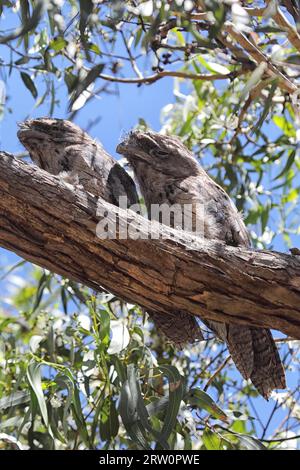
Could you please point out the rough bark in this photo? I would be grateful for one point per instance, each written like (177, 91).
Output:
(53, 225)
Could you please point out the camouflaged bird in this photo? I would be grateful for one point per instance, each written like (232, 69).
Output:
(168, 173)
(64, 149)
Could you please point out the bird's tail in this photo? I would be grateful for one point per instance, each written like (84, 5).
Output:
(254, 352)
(178, 327)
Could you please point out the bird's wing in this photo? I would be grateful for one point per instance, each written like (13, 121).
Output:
(222, 221)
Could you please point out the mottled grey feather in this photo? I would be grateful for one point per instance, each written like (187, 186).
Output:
(168, 173)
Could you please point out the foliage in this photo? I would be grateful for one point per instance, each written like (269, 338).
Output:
(87, 371)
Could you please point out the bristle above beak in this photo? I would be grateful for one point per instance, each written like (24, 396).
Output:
(23, 125)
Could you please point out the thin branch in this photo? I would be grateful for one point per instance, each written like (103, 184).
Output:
(170, 73)
(281, 20)
(255, 53)
(214, 375)
(284, 340)
(253, 95)
(281, 440)
(260, 57)
(131, 58)
(292, 33)
(166, 73)
(255, 11)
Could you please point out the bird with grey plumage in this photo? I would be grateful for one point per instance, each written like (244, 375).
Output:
(168, 173)
(64, 149)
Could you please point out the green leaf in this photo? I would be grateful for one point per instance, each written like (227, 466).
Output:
(264, 216)
(128, 412)
(292, 196)
(44, 283)
(83, 84)
(142, 410)
(134, 413)
(57, 44)
(34, 378)
(94, 48)
(23, 60)
(245, 441)
(79, 417)
(175, 396)
(86, 8)
(70, 80)
(104, 326)
(211, 440)
(64, 381)
(200, 399)
(267, 107)
(25, 16)
(15, 266)
(138, 37)
(287, 166)
(120, 368)
(286, 126)
(29, 84)
(109, 422)
(213, 67)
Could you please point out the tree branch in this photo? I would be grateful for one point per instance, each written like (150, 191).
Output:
(53, 225)
(171, 73)
(256, 54)
(281, 20)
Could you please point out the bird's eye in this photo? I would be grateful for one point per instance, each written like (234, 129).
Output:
(159, 153)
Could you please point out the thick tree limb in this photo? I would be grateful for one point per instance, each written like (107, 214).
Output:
(53, 225)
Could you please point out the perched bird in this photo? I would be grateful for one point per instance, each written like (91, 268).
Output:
(64, 149)
(168, 173)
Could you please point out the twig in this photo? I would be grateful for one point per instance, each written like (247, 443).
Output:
(285, 340)
(253, 95)
(281, 20)
(274, 409)
(282, 439)
(260, 57)
(212, 378)
(255, 11)
(256, 54)
(171, 73)
(131, 58)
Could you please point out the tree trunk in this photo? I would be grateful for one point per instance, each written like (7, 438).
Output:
(53, 225)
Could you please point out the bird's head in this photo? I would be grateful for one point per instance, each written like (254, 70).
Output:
(49, 140)
(165, 154)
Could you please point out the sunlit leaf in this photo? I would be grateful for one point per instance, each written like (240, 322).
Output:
(119, 337)
(287, 166)
(200, 399)
(34, 378)
(82, 85)
(58, 44)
